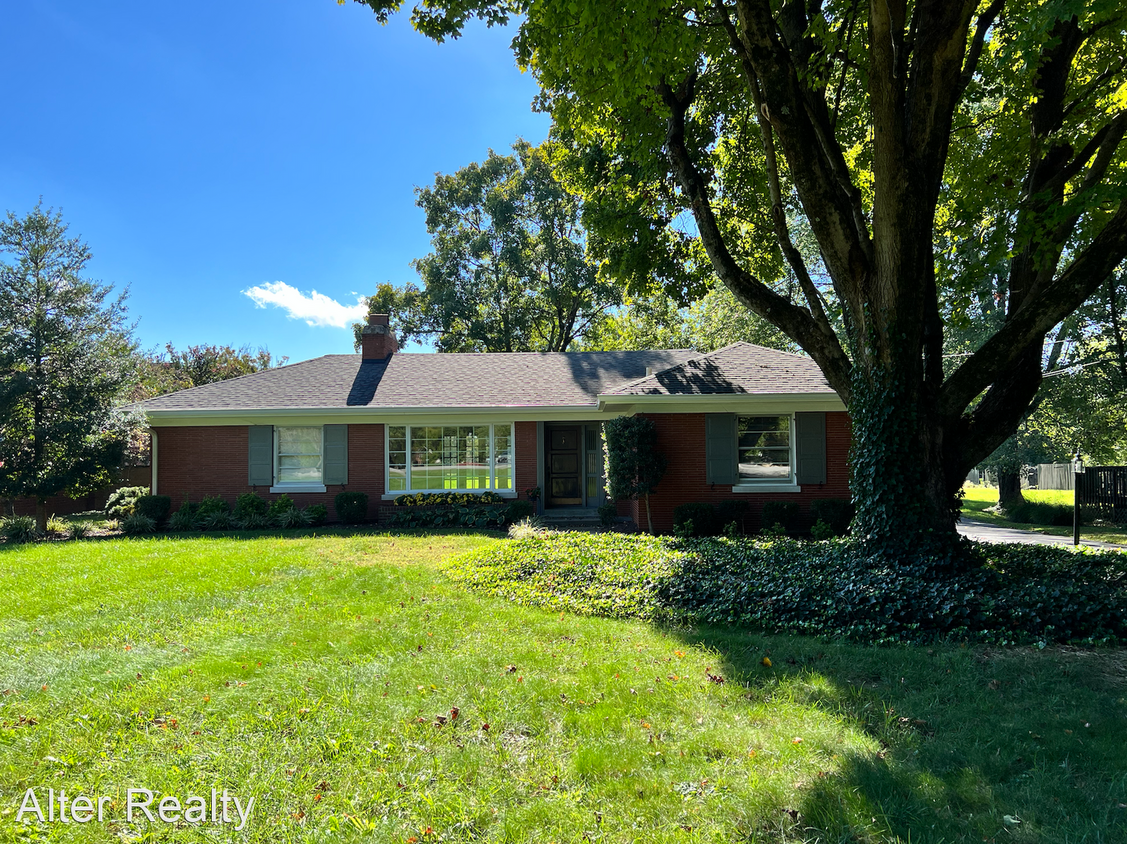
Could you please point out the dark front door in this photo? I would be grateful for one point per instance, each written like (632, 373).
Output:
(564, 481)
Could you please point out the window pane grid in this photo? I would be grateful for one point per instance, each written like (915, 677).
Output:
(449, 457)
(764, 448)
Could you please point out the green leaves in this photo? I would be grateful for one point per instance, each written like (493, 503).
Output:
(65, 362)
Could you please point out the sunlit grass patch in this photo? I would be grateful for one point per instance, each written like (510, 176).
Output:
(356, 693)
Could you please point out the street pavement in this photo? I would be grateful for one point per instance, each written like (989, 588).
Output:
(987, 532)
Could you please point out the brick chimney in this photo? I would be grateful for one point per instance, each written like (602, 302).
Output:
(376, 340)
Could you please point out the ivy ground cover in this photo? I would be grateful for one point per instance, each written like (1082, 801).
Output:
(356, 692)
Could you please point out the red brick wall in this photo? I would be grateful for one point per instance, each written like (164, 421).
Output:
(62, 505)
(681, 438)
(195, 462)
(524, 439)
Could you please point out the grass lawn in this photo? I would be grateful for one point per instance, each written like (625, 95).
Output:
(322, 677)
(978, 498)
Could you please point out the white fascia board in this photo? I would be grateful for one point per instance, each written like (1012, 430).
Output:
(739, 403)
(185, 417)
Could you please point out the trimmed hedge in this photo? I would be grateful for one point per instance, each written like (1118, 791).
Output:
(461, 499)
(1019, 593)
(155, 507)
(351, 507)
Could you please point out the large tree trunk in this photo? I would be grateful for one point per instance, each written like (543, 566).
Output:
(1009, 488)
(41, 515)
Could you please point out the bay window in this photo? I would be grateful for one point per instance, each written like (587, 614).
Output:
(438, 458)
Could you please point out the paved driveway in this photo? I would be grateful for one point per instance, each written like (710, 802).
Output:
(987, 532)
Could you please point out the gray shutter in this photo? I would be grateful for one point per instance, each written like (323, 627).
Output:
(810, 443)
(336, 455)
(260, 458)
(720, 448)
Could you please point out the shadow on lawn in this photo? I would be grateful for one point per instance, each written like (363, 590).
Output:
(967, 736)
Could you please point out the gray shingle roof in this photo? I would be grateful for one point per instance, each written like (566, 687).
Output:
(519, 379)
(739, 369)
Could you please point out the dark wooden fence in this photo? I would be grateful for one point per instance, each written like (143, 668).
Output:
(1104, 490)
(62, 505)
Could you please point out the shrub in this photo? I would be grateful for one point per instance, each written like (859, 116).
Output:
(184, 518)
(122, 501)
(471, 517)
(250, 503)
(136, 524)
(252, 521)
(1016, 594)
(518, 511)
(785, 513)
(1041, 513)
(316, 514)
(462, 499)
(702, 516)
(836, 513)
(822, 531)
(213, 513)
(290, 518)
(608, 514)
(351, 507)
(78, 530)
(280, 509)
(57, 526)
(732, 511)
(19, 529)
(156, 507)
(529, 527)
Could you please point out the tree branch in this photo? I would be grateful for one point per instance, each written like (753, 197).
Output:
(796, 322)
(1036, 316)
(985, 21)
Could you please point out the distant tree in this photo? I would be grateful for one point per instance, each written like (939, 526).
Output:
(65, 364)
(658, 322)
(634, 465)
(393, 301)
(509, 270)
(172, 370)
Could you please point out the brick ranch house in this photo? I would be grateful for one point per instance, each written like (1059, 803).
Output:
(743, 422)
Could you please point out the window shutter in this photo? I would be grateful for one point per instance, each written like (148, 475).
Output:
(810, 443)
(720, 448)
(336, 455)
(261, 455)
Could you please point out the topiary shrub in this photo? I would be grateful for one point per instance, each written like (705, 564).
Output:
(316, 514)
(837, 513)
(784, 513)
(351, 507)
(19, 529)
(122, 501)
(136, 524)
(156, 507)
(730, 512)
(702, 517)
(633, 464)
(250, 504)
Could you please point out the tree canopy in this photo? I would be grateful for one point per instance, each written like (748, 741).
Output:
(65, 364)
(160, 372)
(857, 174)
(509, 269)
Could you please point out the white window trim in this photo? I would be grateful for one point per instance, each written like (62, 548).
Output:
(390, 494)
(789, 485)
(299, 486)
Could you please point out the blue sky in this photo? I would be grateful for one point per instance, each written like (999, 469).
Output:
(208, 149)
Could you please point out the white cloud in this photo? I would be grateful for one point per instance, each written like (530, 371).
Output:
(315, 308)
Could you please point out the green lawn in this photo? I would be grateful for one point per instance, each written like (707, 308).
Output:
(977, 500)
(312, 673)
